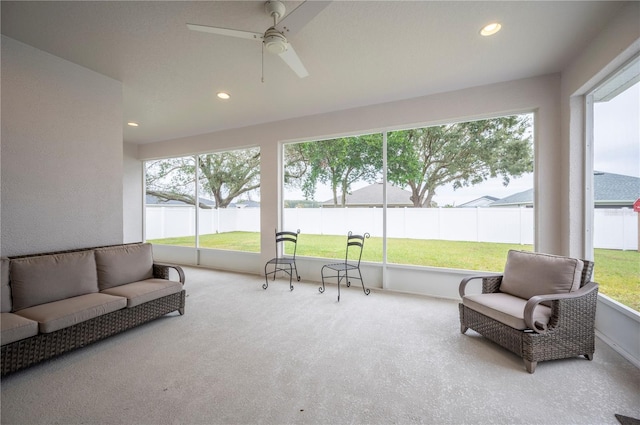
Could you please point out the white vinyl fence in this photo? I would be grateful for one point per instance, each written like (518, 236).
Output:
(613, 228)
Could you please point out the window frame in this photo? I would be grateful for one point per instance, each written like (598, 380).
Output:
(384, 262)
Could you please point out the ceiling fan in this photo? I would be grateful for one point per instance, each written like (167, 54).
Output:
(274, 39)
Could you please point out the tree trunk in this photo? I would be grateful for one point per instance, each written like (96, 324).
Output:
(428, 199)
(415, 197)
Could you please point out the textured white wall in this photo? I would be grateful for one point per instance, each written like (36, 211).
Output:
(132, 194)
(61, 153)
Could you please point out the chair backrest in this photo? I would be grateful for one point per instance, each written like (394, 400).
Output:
(285, 237)
(527, 274)
(355, 242)
(587, 271)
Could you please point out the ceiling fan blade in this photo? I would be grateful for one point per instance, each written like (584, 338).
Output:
(290, 57)
(300, 16)
(225, 31)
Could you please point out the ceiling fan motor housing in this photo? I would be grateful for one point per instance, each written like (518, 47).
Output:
(274, 41)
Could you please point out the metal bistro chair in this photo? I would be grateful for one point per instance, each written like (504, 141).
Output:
(280, 262)
(353, 242)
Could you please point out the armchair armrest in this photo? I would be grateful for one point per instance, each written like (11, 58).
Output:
(466, 280)
(534, 301)
(161, 270)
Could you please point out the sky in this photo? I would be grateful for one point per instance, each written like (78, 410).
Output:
(616, 150)
(617, 134)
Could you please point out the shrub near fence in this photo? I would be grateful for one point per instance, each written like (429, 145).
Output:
(613, 228)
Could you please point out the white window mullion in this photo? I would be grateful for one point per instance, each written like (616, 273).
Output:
(589, 198)
(197, 227)
(384, 209)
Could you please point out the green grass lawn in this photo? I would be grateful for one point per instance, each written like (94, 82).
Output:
(617, 272)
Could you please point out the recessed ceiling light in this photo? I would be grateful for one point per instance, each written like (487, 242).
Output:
(132, 124)
(490, 29)
(224, 96)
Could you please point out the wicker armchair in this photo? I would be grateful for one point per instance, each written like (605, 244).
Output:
(549, 327)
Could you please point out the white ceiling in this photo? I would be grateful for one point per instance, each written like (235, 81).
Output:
(357, 53)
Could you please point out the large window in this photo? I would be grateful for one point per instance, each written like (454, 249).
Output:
(333, 187)
(614, 185)
(226, 186)
(471, 187)
(170, 201)
(458, 195)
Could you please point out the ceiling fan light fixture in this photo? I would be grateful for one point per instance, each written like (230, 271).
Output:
(490, 29)
(275, 42)
(223, 95)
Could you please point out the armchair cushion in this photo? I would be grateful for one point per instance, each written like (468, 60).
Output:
(527, 274)
(506, 309)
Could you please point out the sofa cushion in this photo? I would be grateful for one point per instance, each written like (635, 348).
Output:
(529, 273)
(62, 314)
(5, 289)
(47, 278)
(506, 309)
(123, 264)
(140, 292)
(15, 327)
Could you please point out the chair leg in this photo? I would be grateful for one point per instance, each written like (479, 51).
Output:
(463, 329)
(530, 366)
(290, 277)
(366, 291)
(296, 269)
(266, 278)
(589, 356)
(321, 289)
(346, 276)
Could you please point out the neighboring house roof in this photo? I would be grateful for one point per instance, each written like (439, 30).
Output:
(517, 199)
(483, 201)
(371, 196)
(610, 190)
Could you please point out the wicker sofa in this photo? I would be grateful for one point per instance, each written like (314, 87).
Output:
(541, 308)
(55, 302)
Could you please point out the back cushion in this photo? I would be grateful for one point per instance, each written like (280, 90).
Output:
(123, 264)
(5, 289)
(47, 278)
(529, 273)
